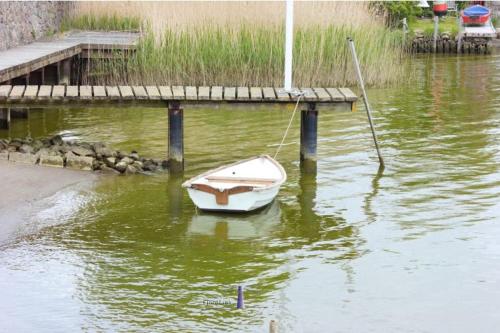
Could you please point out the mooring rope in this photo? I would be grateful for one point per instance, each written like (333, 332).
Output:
(300, 94)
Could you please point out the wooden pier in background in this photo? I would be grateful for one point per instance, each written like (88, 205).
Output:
(50, 62)
(175, 99)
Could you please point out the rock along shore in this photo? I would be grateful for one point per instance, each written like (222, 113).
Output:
(56, 152)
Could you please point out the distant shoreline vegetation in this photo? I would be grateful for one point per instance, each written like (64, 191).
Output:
(211, 53)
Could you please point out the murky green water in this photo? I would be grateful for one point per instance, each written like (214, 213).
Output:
(414, 249)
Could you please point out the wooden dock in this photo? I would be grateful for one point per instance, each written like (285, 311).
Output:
(175, 98)
(42, 74)
(23, 60)
(29, 95)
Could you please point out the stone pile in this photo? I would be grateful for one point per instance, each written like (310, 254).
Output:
(97, 156)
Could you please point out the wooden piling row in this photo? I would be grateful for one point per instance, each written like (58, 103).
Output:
(425, 45)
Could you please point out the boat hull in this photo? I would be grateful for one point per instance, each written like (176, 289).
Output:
(242, 186)
(475, 20)
(241, 202)
(476, 15)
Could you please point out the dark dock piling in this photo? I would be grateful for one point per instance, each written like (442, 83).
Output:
(309, 138)
(65, 71)
(19, 113)
(4, 118)
(175, 137)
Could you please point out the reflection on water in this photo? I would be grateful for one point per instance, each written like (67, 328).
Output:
(236, 226)
(411, 248)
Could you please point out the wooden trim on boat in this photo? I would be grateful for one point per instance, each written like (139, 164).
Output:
(190, 182)
(222, 197)
(248, 180)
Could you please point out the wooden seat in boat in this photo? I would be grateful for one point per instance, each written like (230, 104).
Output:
(240, 180)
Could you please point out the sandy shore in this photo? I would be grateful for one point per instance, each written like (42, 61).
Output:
(23, 187)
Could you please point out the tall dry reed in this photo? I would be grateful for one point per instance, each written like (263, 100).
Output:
(163, 15)
(226, 43)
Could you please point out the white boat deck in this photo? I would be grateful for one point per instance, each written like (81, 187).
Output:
(487, 30)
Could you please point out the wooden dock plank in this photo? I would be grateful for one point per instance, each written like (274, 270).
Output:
(4, 91)
(322, 94)
(281, 94)
(85, 92)
(216, 94)
(153, 92)
(268, 93)
(243, 94)
(71, 92)
(126, 92)
(99, 92)
(335, 94)
(58, 92)
(17, 92)
(165, 92)
(309, 94)
(348, 94)
(255, 93)
(178, 92)
(113, 92)
(140, 92)
(229, 93)
(204, 93)
(31, 92)
(191, 93)
(44, 92)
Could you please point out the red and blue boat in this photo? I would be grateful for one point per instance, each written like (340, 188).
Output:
(476, 15)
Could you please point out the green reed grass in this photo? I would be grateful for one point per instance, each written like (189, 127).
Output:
(254, 56)
(112, 22)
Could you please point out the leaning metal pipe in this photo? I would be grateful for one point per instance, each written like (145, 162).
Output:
(365, 98)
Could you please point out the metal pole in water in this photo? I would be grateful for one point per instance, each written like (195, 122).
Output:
(288, 45)
(365, 98)
(436, 28)
(309, 138)
(175, 138)
(240, 304)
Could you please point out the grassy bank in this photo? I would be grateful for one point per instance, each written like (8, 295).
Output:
(212, 51)
(426, 26)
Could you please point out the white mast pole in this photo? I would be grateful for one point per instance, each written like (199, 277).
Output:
(288, 45)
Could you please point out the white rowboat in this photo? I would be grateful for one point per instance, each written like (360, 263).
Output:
(239, 187)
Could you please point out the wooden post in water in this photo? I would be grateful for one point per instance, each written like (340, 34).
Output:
(65, 71)
(19, 113)
(308, 138)
(4, 118)
(51, 74)
(436, 29)
(273, 326)
(405, 30)
(175, 137)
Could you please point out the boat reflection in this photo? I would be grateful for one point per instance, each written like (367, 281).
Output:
(236, 226)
